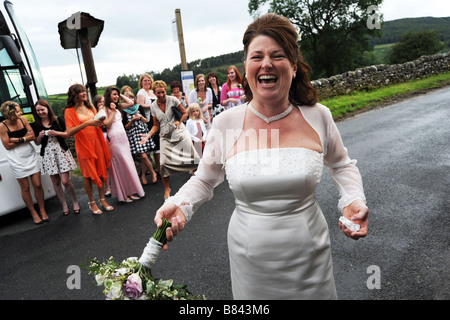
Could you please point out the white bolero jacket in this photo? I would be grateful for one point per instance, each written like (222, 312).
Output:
(225, 131)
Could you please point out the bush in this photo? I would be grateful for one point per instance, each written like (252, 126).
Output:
(414, 45)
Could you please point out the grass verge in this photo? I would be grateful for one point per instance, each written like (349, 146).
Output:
(342, 106)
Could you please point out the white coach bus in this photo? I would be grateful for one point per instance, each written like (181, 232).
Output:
(20, 81)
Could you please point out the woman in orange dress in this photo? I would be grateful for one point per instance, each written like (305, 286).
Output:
(90, 146)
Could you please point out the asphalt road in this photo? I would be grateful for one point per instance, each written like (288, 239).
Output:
(402, 152)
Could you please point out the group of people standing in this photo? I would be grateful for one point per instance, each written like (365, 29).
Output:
(132, 126)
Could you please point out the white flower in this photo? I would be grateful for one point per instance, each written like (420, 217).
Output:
(121, 271)
(115, 291)
(100, 278)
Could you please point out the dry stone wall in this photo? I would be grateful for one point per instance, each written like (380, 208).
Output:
(372, 77)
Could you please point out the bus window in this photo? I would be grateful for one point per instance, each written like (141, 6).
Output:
(11, 80)
(35, 71)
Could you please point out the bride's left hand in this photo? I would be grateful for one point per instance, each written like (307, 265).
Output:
(358, 213)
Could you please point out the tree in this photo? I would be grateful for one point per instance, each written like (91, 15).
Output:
(333, 32)
(131, 80)
(415, 44)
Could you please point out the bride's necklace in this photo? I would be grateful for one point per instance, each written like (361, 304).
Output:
(274, 118)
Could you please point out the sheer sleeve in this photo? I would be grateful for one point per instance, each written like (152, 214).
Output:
(343, 170)
(346, 175)
(210, 173)
(209, 96)
(193, 96)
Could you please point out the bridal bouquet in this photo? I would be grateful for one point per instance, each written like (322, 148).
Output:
(132, 279)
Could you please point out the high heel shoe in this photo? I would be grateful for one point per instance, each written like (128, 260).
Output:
(108, 208)
(95, 213)
(127, 200)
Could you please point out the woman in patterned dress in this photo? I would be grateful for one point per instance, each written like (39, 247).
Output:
(135, 124)
(57, 160)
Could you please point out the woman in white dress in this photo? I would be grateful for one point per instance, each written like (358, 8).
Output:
(16, 135)
(272, 150)
(202, 95)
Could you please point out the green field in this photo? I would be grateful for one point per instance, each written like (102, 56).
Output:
(381, 51)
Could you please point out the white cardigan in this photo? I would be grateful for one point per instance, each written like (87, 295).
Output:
(225, 131)
(191, 127)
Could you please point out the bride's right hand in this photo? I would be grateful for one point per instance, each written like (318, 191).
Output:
(175, 216)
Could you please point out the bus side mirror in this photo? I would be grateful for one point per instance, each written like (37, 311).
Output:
(26, 79)
(8, 43)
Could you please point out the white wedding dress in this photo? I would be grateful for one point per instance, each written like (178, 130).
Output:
(278, 238)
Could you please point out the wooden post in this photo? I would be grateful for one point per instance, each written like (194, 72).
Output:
(88, 60)
(184, 66)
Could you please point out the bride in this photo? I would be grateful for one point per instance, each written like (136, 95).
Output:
(272, 150)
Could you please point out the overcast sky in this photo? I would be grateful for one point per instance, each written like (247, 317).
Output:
(138, 34)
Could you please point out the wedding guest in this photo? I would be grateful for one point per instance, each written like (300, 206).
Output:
(57, 160)
(177, 151)
(126, 89)
(145, 97)
(232, 93)
(196, 127)
(177, 92)
(135, 124)
(278, 238)
(203, 96)
(99, 103)
(16, 135)
(125, 182)
(90, 146)
(214, 84)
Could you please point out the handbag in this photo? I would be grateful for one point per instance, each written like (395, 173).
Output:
(177, 113)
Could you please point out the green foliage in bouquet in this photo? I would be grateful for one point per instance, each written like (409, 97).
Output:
(130, 280)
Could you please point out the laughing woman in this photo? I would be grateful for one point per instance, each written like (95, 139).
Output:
(124, 177)
(278, 238)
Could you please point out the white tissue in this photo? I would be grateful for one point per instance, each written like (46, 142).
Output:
(349, 224)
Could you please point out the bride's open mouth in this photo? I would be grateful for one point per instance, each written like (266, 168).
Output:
(267, 80)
